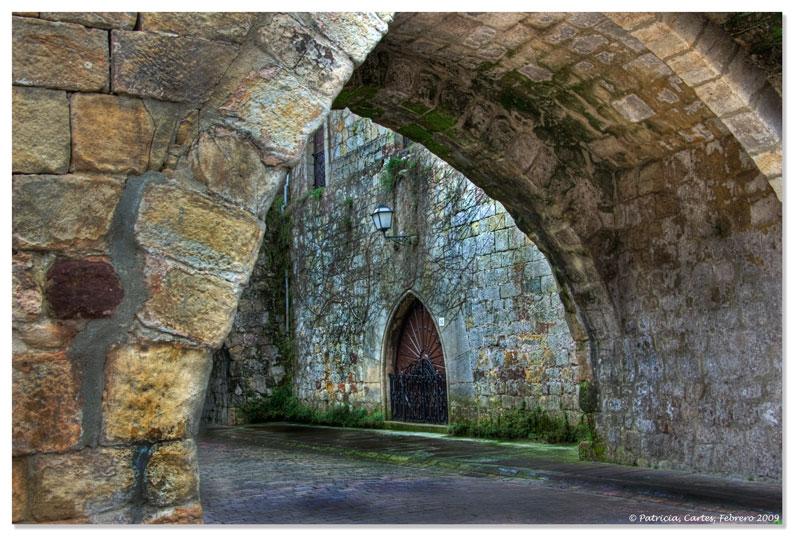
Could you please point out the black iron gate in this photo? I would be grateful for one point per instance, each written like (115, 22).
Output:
(418, 394)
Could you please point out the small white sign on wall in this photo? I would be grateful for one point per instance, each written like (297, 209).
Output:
(441, 321)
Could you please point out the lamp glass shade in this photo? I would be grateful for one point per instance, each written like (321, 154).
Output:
(382, 218)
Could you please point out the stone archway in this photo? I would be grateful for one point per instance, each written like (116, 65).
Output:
(603, 138)
(656, 210)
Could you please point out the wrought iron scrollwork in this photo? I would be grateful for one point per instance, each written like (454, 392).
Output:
(419, 393)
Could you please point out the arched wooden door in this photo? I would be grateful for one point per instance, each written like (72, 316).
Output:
(418, 386)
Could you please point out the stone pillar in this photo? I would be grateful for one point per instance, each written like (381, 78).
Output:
(138, 214)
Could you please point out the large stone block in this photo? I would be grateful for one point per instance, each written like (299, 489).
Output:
(305, 52)
(44, 335)
(83, 288)
(81, 484)
(46, 413)
(355, 33)
(59, 55)
(105, 20)
(266, 102)
(27, 295)
(153, 392)
(193, 229)
(110, 134)
(63, 212)
(199, 307)
(216, 26)
(172, 474)
(19, 489)
(178, 69)
(40, 134)
(231, 167)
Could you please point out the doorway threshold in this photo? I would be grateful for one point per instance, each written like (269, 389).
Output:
(415, 427)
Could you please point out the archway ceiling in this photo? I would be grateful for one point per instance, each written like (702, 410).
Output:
(493, 84)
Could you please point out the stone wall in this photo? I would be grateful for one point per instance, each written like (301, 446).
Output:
(489, 289)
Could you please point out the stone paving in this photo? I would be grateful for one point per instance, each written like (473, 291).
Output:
(286, 474)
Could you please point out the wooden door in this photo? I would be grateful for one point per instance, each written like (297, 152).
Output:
(418, 387)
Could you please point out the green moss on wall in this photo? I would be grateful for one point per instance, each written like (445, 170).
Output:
(415, 106)
(438, 120)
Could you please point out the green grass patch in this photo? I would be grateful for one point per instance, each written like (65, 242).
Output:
(535, 424)
(283, 405)
(317, 193)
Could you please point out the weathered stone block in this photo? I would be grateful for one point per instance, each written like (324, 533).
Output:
(751, 131)
(59, 55)
(44, 335)
(111, 134)
(693, 68)
(770, 163)
(63, 212)
(40, 135)
(199, 307)
(660, 40)
(719, 97)
(165, 116)
(106, 20)
(46, 413)
(633, 108)
(172, 474)
(83, 289)
(19, 489)
(354, 33)
(193, 229)
(188, 514)
(231, 167)
(178, 69)
(152, 392)
(262, 99)
(81, 484)
(27, 296)
(312, 59)
(217, 26)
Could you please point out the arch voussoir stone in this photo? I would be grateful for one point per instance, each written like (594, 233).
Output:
(723, 77)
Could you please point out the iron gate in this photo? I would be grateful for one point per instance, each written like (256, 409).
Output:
(418, 393)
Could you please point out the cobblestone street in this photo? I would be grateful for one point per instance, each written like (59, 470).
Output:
(294, 474)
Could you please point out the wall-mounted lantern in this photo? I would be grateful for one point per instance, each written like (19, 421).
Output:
(382, 218)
